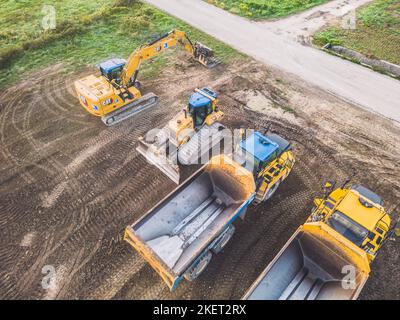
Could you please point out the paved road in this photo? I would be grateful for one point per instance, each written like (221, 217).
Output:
(359, 85)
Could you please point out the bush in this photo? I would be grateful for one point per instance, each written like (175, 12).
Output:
(125, 3)
(331, 36)
(265, 8)
(68, 28)
(7, 54)
(134, 24)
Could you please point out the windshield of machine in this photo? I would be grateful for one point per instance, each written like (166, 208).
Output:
(115, 73)
(348, 228)
(368, 194)
(251, 163)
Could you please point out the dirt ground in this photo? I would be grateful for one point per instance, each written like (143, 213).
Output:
(69, 185)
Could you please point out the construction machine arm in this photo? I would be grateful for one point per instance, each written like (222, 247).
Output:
(152, 49)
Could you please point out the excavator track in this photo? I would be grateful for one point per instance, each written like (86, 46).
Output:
(145, 102)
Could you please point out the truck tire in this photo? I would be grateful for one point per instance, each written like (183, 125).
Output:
(194, 272)
(223, 241)
(271, 191)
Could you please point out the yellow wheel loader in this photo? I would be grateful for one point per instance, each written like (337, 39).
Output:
(115, 94)
(329, 257)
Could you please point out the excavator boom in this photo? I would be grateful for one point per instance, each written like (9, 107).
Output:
(201, 53)
(115, 95)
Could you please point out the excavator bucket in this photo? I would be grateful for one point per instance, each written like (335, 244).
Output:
(205, 55)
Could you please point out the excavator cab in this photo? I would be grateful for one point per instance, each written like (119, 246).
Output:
(201, 105)
(112, 69)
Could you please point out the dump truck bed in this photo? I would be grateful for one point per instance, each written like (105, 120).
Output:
(312, 266)
(173, 234)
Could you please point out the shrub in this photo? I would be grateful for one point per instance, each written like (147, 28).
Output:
(134, 24)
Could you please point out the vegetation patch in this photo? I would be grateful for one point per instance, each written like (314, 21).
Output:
(86, 32)
(377, 32)
(265, 9)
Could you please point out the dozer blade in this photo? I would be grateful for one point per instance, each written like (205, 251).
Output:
(145, 102)
(205, 55)
(160, 160)
(197, 148)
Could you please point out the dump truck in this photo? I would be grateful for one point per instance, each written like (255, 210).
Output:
(329, 257)
(179, 236)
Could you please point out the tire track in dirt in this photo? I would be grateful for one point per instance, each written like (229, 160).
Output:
(121, 200)
(98, 184)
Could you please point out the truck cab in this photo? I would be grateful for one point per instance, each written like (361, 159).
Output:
(357, 214)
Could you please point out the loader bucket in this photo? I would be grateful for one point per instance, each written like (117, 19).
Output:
(161, 161)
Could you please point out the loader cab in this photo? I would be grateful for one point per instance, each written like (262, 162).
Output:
(112, 69)
(200, 106)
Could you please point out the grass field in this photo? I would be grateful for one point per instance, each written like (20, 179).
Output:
(265, 9)
(377, 34)
(86, 32)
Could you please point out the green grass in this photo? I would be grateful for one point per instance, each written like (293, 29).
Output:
(21, 19)
(377, 33)
(87, 32)
(265, 9)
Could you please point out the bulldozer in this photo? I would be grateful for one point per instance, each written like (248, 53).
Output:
(115, 94)
(186, 137)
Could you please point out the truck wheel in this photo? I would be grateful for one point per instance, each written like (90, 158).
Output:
(224, 239)
(193, 273)
(271, 191)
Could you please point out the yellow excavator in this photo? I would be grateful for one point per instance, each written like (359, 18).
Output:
(115, 94)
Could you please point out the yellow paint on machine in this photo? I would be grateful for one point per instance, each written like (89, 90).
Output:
(101, 95)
